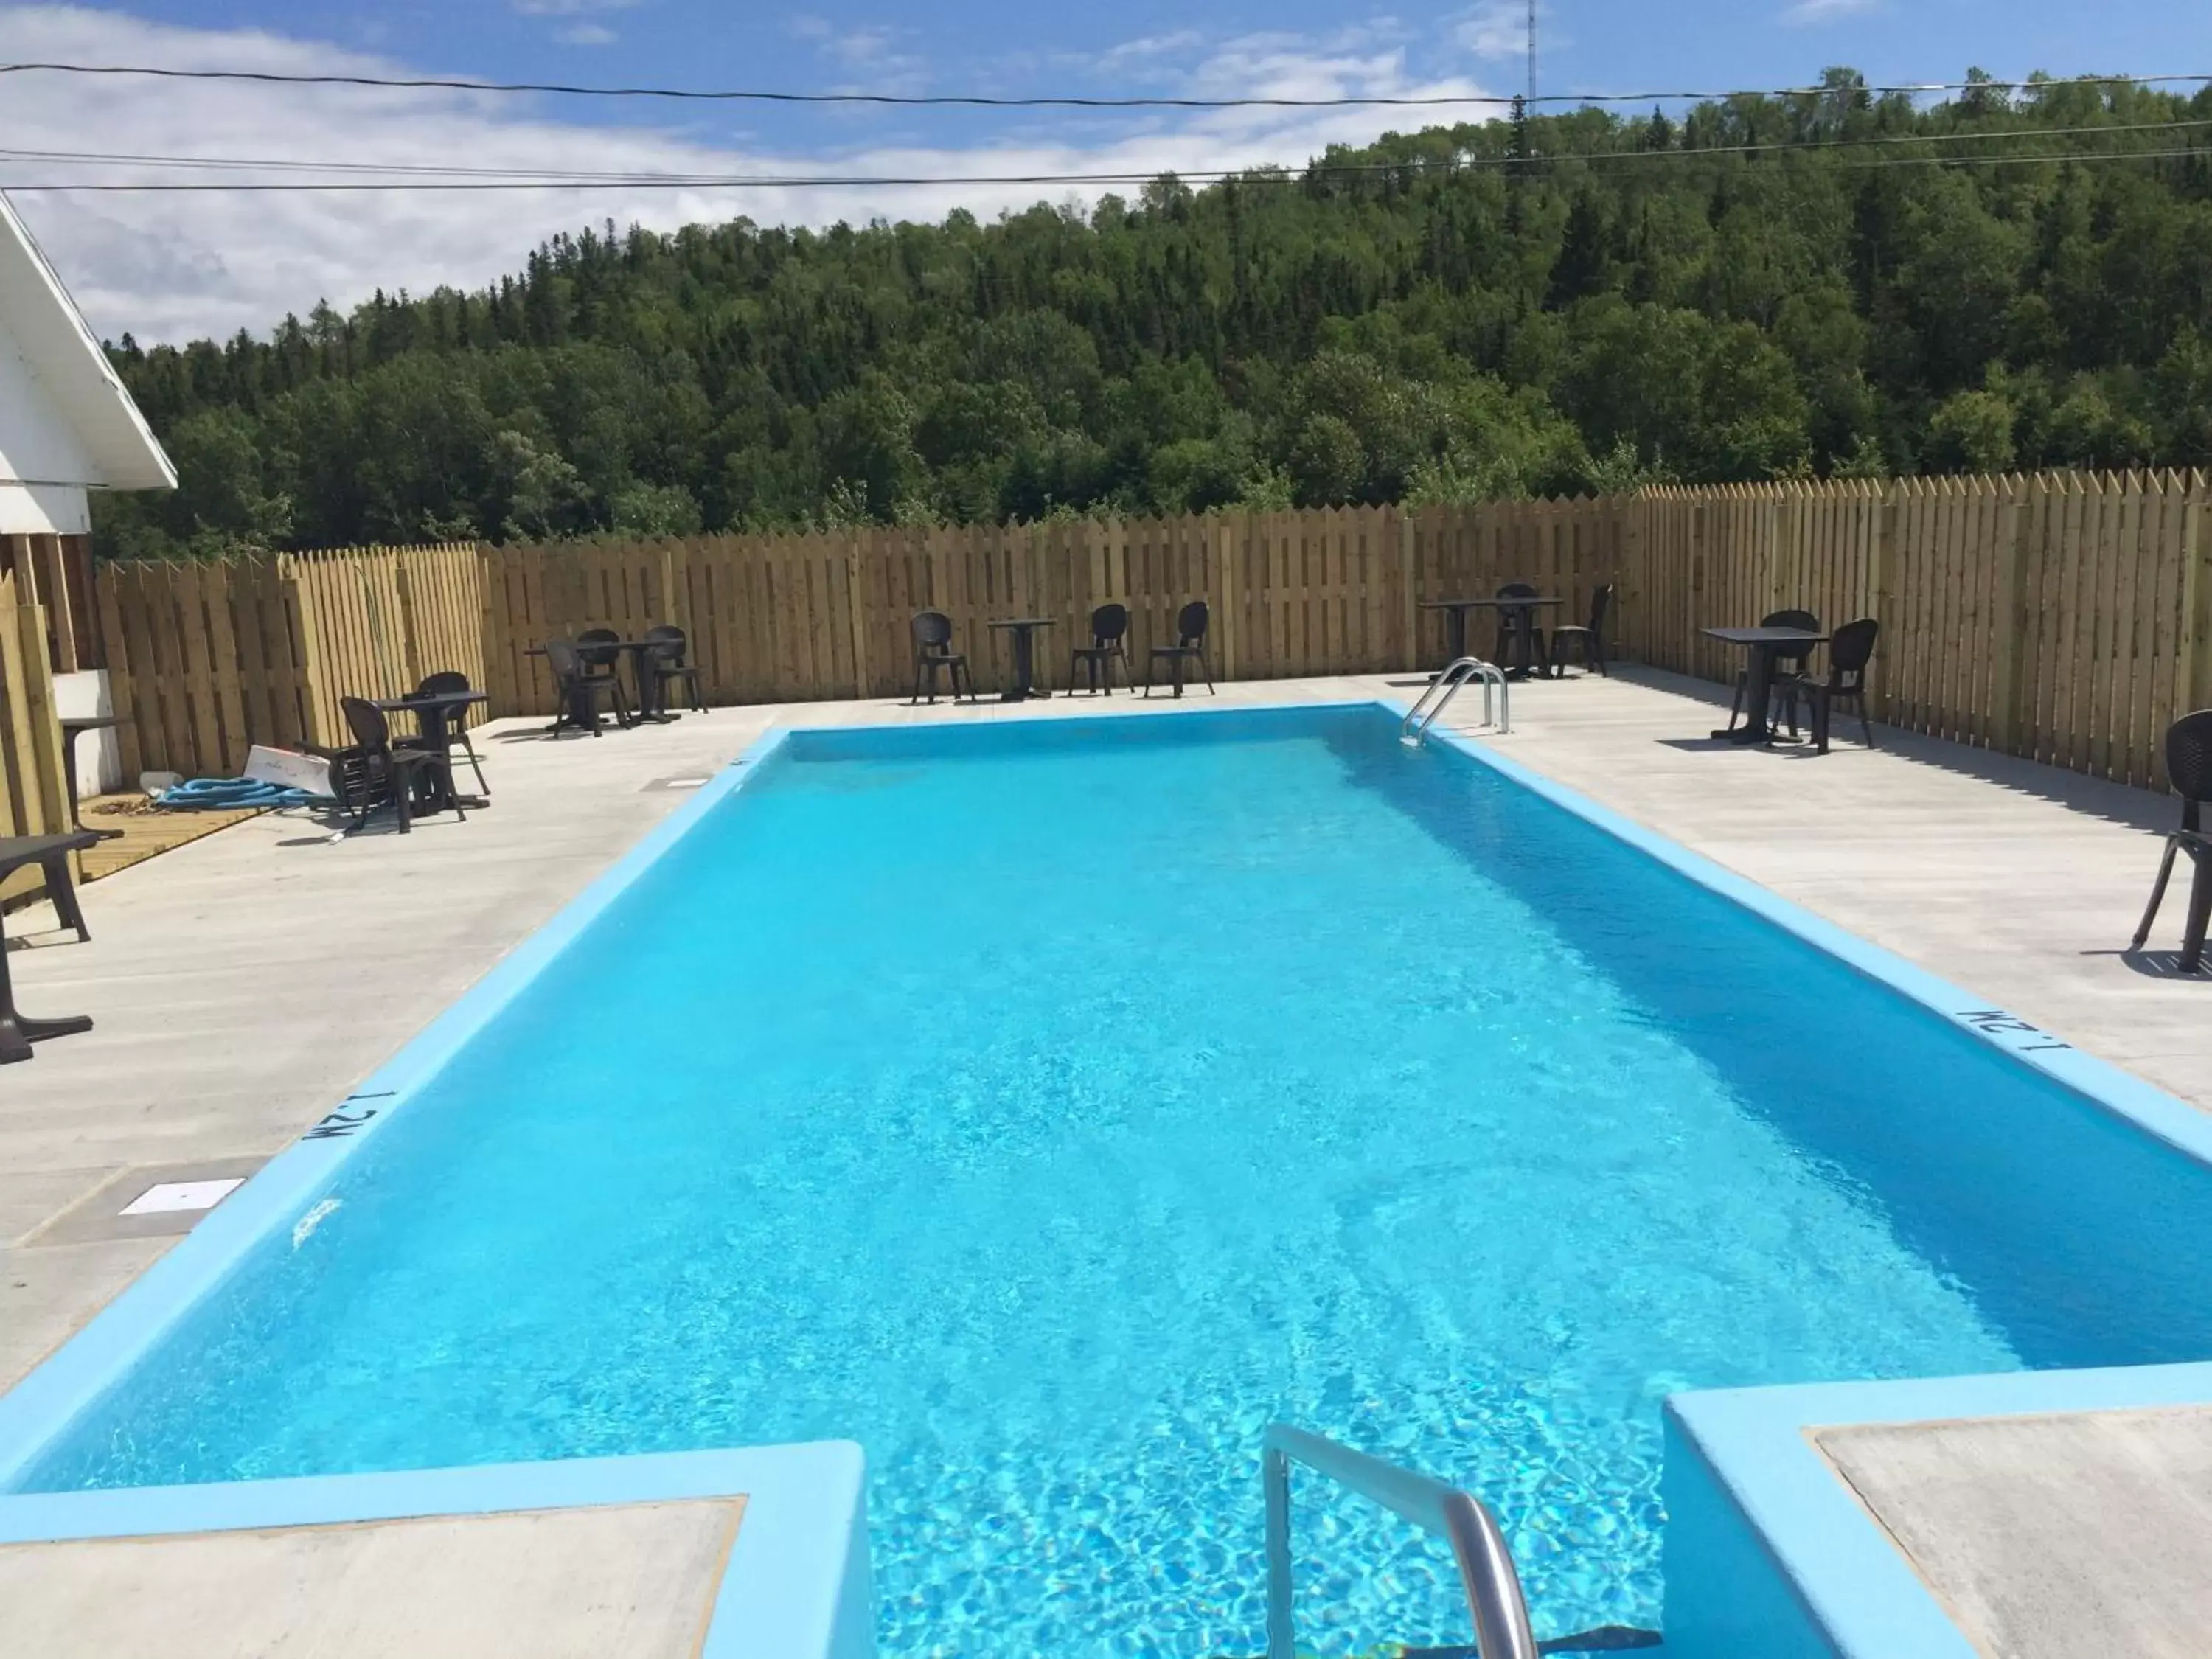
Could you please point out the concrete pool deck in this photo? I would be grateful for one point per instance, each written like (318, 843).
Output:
(637, 1580)
(244, 983)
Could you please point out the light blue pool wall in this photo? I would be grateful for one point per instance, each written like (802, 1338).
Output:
(1767, 1554)
(1727, 1596)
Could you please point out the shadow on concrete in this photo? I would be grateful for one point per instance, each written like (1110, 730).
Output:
(2099, 798)
(2157, 964)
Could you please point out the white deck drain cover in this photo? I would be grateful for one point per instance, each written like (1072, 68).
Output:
(181, 1196)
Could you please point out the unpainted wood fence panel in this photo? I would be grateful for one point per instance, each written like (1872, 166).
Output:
(2065, 617)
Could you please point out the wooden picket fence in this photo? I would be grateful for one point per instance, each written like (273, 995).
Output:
(207, 658)
(32, 797)
(825, 616)
(2065, 617)
(2062, 617)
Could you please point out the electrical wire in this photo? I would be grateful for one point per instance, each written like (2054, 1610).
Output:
(1320, 171)
(1055, 101)
(548, 176)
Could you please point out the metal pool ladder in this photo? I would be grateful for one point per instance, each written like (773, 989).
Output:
(1423, 713)
(1486, 1564)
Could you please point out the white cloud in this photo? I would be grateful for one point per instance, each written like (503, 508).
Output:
(585, 34)
(1150, 48)
(570, 7)
(171, 266)
(875, 51)
(1497, 29)
(1824, 11)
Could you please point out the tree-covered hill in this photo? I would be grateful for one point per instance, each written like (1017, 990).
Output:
(1826, 283)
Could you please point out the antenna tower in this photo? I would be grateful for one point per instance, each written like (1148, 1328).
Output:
(1532, 50)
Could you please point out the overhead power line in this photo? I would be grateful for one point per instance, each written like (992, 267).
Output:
(1323, 170)
(552, 176)
(440, 83)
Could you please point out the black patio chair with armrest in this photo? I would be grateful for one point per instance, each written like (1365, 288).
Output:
(1191, 624)
(1850, 648)
(1788, 664)
(601, 651)
(665, 662)
(1520, 620)
(2189, 772)
(444, 682)
(1109, 643)
(1587, 637)
(390, 770)
(578, 692)
(933, 650)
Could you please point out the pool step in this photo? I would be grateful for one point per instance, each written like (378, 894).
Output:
(1606, 1639)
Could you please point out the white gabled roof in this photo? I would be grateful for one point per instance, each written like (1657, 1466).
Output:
(42, 324)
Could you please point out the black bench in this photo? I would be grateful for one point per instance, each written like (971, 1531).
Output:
(50, 853)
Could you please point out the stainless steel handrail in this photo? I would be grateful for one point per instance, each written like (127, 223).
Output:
(1486, 1565)
(1422, 715)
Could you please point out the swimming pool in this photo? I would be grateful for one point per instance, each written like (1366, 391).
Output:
(1049, 1106)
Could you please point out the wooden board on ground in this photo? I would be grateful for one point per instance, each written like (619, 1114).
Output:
(147, 830)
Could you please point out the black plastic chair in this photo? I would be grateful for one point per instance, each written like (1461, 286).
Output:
(1589, 638)
(1190, 646)
(1109, 642)
(665, 662)
(1787, 666)
(579, 690)
(1518, 622)
(1850, 648)
(933, 650)
(441, 683)
(2189, 772)
(390, 771)
(600, 648)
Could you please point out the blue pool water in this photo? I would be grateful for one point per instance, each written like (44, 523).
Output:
(1050, 1109)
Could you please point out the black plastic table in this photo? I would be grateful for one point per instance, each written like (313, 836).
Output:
(1023, 630)
(647, 682)
(18, 1031)
(1527, 631)
(434, 717)
(1456, 625)
(73, 727)
(1764, 644)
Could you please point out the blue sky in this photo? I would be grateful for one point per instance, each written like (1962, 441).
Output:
(1588, 44)
(166, 267)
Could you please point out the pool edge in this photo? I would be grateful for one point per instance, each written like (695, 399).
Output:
(37, 1411)
(1841, 1568)
(795, 1586)
(1837, 1563)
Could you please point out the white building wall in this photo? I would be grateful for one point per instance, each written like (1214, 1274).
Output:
(43, 510)
(38, 443)
(99, 756)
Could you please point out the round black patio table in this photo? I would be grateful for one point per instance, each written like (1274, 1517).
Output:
(647, 682)
(1764, 644)
(1023, 630)
(434, 718)
(1455, 624)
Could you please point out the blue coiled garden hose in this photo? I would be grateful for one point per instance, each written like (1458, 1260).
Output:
(222, 795)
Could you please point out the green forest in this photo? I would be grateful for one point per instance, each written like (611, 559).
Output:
(1830, 283)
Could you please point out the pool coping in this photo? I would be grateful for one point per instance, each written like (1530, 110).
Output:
(796, 1581)
(1836, 1558)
